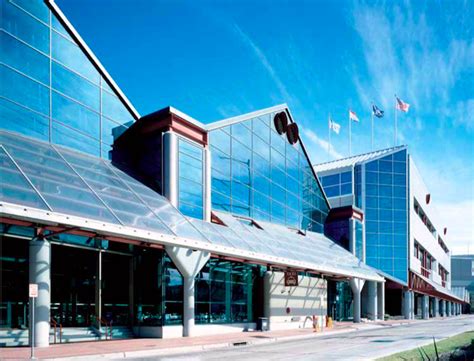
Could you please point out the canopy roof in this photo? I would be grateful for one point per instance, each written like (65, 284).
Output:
(49, 185)
(356, 159)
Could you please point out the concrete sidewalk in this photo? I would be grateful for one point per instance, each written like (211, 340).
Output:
(150, 347)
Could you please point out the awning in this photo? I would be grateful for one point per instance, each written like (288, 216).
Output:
(49, 185)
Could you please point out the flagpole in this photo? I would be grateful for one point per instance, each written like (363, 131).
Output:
(372, 135)
(395, 135)
(329, 137)
(350, 135)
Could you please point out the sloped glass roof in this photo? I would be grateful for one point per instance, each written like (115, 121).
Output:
(57, 180)
(312, 248)
(72, 183)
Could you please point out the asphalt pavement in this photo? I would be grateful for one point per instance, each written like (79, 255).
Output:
(359, 345)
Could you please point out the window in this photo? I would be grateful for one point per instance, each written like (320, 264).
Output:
(190, 179)
(268, 177)
(224, 292)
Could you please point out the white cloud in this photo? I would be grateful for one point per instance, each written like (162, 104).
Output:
(459, 219)
(321, 143)
(403, 55)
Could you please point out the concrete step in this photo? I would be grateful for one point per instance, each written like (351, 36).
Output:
(75, 334)
(13, 337)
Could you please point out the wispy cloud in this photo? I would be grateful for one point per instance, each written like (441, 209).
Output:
(264, 61)
(404, 55)
(323, 144)
(458, 218)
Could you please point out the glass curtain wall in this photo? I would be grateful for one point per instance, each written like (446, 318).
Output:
(13, 281)
(386, 214)
(336, 185)
(224, 292)
(190, 179)
(49, 89)
(257, 173)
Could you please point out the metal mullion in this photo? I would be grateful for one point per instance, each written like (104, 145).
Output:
(25, 75)
(24, 42)
(26, 177)
(87, 184)
(141, 200)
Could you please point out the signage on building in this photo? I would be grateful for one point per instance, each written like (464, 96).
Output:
(291, 278)
(33, 290)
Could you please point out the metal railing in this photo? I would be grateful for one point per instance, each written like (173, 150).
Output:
(55, 325)
(108, 327)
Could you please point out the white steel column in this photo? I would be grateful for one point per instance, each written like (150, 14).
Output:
(170, 167)
(356, 286)
(372, 300)
(40, 273)
(189, 262)
(381, 300)
(407, 304)
(436, 307)
(425, 307)
(207, 184)
(412, 306)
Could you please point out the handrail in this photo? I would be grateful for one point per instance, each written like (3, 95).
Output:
(54, 323)
(108, 326)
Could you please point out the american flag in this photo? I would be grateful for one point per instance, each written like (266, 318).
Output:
(401, 105)
(353, 116)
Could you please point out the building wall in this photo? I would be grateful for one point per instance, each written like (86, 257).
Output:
(420, 232)
(257, 173)
(293, 307)
(49, 89)
(384, 201)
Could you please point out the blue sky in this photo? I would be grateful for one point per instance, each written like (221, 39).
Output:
(216, 59)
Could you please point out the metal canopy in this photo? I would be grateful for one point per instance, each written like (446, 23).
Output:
(49, 185)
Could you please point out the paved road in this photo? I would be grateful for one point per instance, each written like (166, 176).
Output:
(359, 345)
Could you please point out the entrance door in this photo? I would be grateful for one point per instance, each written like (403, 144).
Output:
(116, 284)
(73, 277)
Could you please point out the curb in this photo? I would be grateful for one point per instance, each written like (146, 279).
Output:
(223, 345)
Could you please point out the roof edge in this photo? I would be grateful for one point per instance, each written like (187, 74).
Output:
(243, 117)
(95, 61)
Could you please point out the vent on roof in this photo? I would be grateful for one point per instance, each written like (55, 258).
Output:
(280, 120)
(292, 133)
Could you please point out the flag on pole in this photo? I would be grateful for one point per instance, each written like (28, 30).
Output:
(353, 116)
(401, 105)
(334, 126)
(377, 112)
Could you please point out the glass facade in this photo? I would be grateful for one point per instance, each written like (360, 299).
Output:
(386, 213)
(49, 89)
(224, 292)
(359, 240)
(257, 173)
(336, 185)
(190, 179)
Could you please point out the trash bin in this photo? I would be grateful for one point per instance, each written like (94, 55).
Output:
(262, 324)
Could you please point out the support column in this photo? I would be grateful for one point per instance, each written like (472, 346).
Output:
(356, 286)
(443, 308)
(412, 306)
(448, 309)
(407, 304)
(381, 300)
(436, 307)
(98, 289)
(207, 184)
(372, 300)
(40, 273)
(189, 262)
(425, 307)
